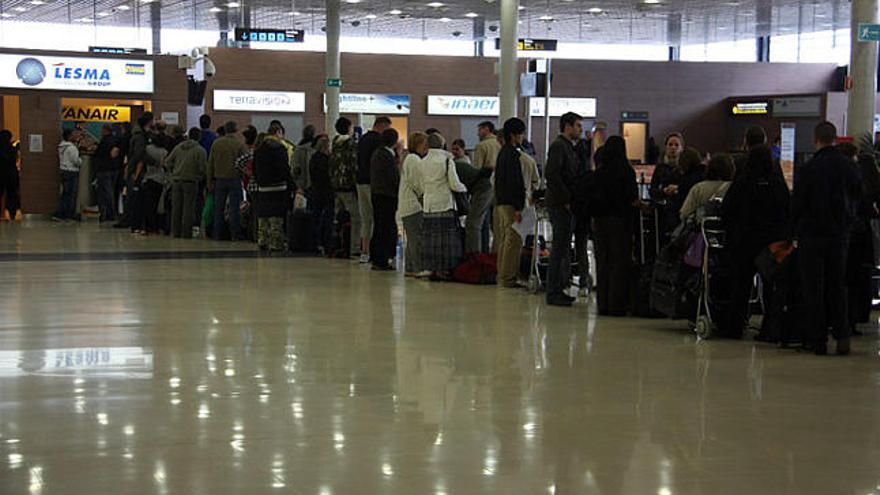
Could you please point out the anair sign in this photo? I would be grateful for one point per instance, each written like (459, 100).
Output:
(114, 75)
(96, 114)
(260, 101)
(484, 106)
(758, 108)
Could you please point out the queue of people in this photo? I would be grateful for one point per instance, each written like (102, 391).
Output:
(441, 201)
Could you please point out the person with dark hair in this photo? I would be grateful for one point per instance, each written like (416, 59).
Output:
(161, 136)
(187, 163)
(755, 213)
(753, 137)
(692, 173)
(69, 163)
(138, 159)
(208, 136)
(486, 152)
(276, 132)
(322, 194)
(108, 163)
(665, 183)
(561, 171)
(272, 174)
(245, 162)
(384, 186)
(302, 156)
(367, 146)
(827, 193)
(860, 258)
(510, 200)
(718, 179)
(224, 180)
(8, 176)
(612, 221)
(479, 186)
(343, 175)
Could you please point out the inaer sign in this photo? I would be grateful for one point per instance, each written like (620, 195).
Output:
(96, 114)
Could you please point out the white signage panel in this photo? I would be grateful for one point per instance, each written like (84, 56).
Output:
(112, 75)
(485, 106)
(372, 103)
(259, 101)
(585, 107)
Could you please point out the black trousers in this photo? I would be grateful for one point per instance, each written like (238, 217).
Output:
(383, 244)
(614, 247)
(823, 276)
(145, 215)
(742, 276)
(860, 261)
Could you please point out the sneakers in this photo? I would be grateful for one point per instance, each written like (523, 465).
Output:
(423, 274)
(364, 259)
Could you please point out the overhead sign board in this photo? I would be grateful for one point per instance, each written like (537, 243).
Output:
(869, 32)
(531, 45)
(372, 103)
(270, 35)
(638, 116)
(754, 108)
(113, 49)
(797, 106)
(111, 114)
(585, 107)
(110, 75)
(486, 106)
(259, 101)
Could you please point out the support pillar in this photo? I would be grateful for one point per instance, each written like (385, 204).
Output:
(331, 65)
(863, 71)
(156, 26)
(507, 76)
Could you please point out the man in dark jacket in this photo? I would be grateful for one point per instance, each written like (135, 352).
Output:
(107, 162)
(208, 136)
(187, 164)
(560, 173)
(384, 183)
(824, 204)
(137, 160)
(367, 145)
(510, 199)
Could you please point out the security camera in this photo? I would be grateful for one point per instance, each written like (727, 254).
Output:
(210, 68)
(493, 28)
(355, 23)
(456, 33)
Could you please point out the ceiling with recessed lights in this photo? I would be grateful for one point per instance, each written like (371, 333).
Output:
(600, 21)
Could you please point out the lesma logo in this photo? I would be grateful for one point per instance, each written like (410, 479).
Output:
(30, 71)
(89, 75)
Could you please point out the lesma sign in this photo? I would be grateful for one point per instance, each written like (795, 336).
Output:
(111, 75)
(260, 101)
(463, 105)
(96, 114)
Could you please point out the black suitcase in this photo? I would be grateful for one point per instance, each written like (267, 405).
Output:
(301, 232)
(648, 248)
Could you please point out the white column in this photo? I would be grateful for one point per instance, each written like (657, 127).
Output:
(507, 76)
(863, 70)
(331, 65)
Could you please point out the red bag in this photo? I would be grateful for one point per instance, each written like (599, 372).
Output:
(477, 268)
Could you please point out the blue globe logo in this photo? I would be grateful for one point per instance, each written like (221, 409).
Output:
(31, 71)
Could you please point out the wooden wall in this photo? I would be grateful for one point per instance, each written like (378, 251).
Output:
(41, 114)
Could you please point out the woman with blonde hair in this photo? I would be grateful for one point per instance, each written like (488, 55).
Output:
(409, 204)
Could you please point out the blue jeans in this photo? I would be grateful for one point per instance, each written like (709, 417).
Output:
(227, 188)
(67, 204)
(559, 271)
(106, 194)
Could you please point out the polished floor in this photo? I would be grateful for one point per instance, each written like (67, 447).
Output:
(242, 375)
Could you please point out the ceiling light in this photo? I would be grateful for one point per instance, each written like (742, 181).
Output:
(545, 18)
(147, 1)
(6, 15)
(371, 16)
(395, 12)
(352, 1)
(445, 19)
(103, 14)
(595, 10)
(650, 2)
(472, 15)
(20, 9)
(521, 7)
(233, 5)
(215, 10)
(121, 7)
(86, 19)
(295, 13)
(436, 5)
(38, 2)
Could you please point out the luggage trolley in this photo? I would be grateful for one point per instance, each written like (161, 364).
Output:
(537, 265)
(709, 303)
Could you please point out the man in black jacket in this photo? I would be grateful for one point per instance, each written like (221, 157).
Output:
(560, 173)
(367, 145)
(510, 199)
(384, 183)
(826, 193)
(137, 157)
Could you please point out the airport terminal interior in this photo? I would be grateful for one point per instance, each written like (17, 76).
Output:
(357, 247)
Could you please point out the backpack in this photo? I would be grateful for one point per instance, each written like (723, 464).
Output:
(343, 165)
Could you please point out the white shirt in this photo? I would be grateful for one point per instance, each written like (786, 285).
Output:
(410, 191)
(438, 180)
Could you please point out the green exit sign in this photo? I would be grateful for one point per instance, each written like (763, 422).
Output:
(334, 83)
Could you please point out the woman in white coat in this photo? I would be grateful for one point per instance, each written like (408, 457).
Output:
(409, 204)
(441, 244)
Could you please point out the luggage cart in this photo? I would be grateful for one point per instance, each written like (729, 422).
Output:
(705, 322)
(536, 282)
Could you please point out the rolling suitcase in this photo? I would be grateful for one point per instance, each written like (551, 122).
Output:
(301, 232)
(648, 249)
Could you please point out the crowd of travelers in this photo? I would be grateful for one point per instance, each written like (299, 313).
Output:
(363, 197)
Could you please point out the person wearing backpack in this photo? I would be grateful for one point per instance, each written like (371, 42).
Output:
(343, 177)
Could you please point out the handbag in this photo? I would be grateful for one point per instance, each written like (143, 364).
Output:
(771, 260)
(461, 199)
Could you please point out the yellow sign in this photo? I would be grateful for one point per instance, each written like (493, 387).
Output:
(96, 114)
(750, 108)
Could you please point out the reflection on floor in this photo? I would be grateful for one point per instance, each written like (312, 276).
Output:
(310, 376)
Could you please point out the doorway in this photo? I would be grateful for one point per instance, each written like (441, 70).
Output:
(10, 193)
(636, 136)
